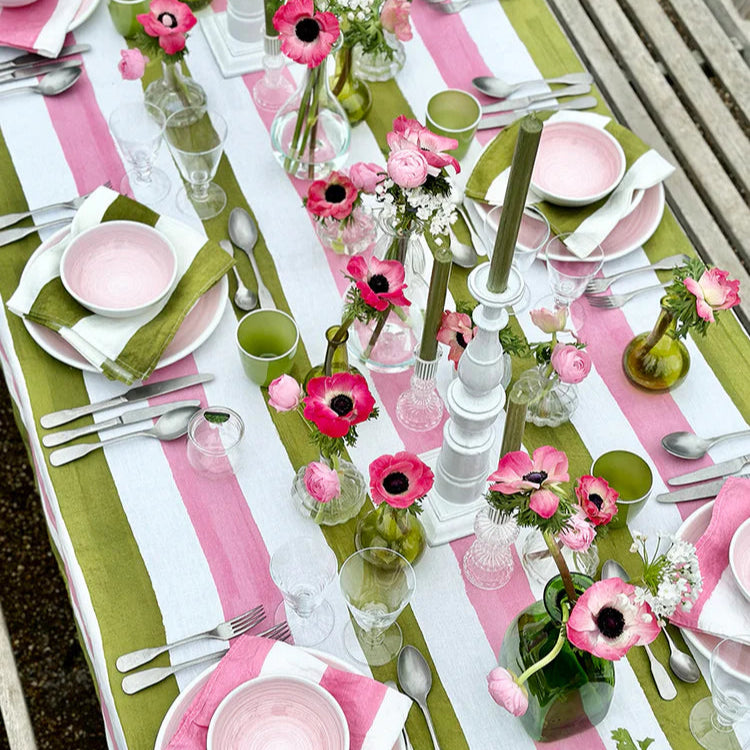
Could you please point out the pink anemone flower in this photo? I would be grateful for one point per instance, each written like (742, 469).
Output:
(607, 621)
(506, 692)
(597, 499)
(169, 20)
(456, 330)
(332, 197)
(713, 291)
(380, 282)
(399, 480)
(306, 35)
(336, 403)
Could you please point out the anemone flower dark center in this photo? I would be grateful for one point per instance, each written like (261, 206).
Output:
(335, 193)
(537, 477)
(341, 404)
(597, 500)
(610, 622)
(378, 283)
(396, 483)
(461, 341)
(307, 30)
(168, 20)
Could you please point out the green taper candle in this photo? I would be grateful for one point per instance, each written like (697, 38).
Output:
(527, 144)
(515, 421)
(271, 6)
(441, 271)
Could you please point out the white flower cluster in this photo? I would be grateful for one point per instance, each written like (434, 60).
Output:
(356, 10)
(433, 210)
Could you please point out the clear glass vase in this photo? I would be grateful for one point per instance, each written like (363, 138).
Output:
(349, 236)
(310, 133)
(488, 563)
(539, 565)
(380, 66)
(398, 529)
(352, 92)
(174, 90)
(549, 401)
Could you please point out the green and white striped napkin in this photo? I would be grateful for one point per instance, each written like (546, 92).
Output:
(126, 349)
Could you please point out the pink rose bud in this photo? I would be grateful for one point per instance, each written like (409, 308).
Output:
(571, 364)
(506, 692)
(366, 176)
(578, 534)
(407, 168)
(284, 393)
(394, 17)
(132, 65)
(713, 291)
(322, 482)
(549, 321)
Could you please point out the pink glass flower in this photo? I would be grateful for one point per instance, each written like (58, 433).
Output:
(570, 363)
(506, 692)
(306, 35)
(597, 499)
(578, 535)
(456, 330)
(169, 20)
(322, 482)
(607, 621)
(336, 403)
(394, 17)
(380, 282)
(549, 321)
(408, 168)
(366, 176)
(284, 393)
(333, 196)
(713, 291)
(132, 64)
(399, 480)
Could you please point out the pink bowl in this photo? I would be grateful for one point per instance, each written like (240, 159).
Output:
(119, 268)
(739, 559)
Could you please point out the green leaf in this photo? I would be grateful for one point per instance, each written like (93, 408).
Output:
(625, 741)
(216, 417)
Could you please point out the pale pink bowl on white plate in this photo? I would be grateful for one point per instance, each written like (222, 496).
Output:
(281, 712)
(576, 164)
(119, 268)
(739, 558)
(15, 3)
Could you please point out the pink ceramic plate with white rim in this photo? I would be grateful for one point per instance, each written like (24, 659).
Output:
(739, 559)
(173, 716)
(576, 164)
(85, 9)
(197, 326)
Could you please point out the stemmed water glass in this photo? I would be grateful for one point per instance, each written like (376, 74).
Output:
(712, 719)
(377, 583)
(196, 139)
(138, 128)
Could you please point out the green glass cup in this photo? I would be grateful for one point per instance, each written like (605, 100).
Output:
(455, 114)
(631, 476)
(123, 14)
(267, 342)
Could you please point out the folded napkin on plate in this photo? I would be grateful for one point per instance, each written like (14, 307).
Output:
(40, 27)
(375, 713)
(592, 223)
(126, 349)
(721, 610)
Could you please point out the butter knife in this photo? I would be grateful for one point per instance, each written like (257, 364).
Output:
(700, 491)
(722, 469)
(37, 70)
(499, 121)
(507, 105)
(32, 58)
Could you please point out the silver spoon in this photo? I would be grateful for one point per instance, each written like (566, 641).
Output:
(244, 298)
(51, 84)
(683, 665)
(690, 445)
(404, 735)
(170, 426)
(415, 678)
(243, 231)
(499, 89)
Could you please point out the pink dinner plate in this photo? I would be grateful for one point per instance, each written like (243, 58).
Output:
(173, 716)
(85, 9)
(577, 164)
(739, 560)
(198, 325)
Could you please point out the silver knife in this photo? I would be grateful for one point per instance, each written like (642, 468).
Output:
(129, 417)
(722, 469)
(139, 393)
(37, 70)
(32, 58)
(707, 489)
(499, 121)
(508, 105)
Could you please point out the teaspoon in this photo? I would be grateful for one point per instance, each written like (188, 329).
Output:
(499, 89)
(244, 298)
(415, 678)
(690, 445)
(243, 231)
(51, 84)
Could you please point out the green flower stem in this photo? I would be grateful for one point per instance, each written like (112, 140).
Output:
(307, 116)
(547, 658)
(376, 333)
(657, 333)
(346, 66)
(562, 566)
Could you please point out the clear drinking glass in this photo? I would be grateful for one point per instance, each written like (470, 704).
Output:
(196, 139)
(377, 583)
(302, 569)
(138, 128)
(213, 436)
(712, 719)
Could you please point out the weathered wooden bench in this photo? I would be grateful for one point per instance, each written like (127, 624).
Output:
(677, 73)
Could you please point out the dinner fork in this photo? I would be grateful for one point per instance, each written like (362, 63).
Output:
(603, 283)
(611, 301)
(223, 632)
(132, 683)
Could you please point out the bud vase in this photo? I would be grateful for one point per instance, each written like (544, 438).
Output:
(380, 66)
(488, 563)
(174, 90)
(336, 357)
(347, 236)
(539, 565)
(398, 529)
(550, 402)
(351, 91)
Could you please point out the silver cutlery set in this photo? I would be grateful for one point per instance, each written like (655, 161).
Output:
(58, 74)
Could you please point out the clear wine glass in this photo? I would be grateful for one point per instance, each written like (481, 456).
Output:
(138, 128)
(377, 583)
(196, 139)
(712, 719)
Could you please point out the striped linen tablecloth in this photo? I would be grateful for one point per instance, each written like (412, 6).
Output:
(153, 552)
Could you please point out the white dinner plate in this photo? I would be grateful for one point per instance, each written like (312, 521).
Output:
(197, 326)
(173, 716)
(85, 9)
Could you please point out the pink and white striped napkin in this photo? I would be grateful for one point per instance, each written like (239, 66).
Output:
(375, 713)
(721, 609)
(40, 27)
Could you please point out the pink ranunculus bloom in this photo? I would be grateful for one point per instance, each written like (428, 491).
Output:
(607, 621)
(337, 402)
(169, 20)
(506, 692)
(570, 363)
(284, 393)
(322, 482)
(380, 282)
(549, 321)
(597, 499)
(456, 330)
(394, 17)
(408, 134)
(332, 197)
(407, 167)
(306, 35)
(399, 480)
(579, 534)
(132, 64)
(366, 176)
(713, 291)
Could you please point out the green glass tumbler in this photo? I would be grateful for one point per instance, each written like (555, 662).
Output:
(631, 476)
(123, 14)
(267, 342)
(455, 114)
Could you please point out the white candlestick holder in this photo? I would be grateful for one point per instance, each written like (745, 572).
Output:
(236, 37)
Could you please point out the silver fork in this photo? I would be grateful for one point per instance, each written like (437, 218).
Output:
(223, 632)
(603, 282)
(132, 683)
(611, 301)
